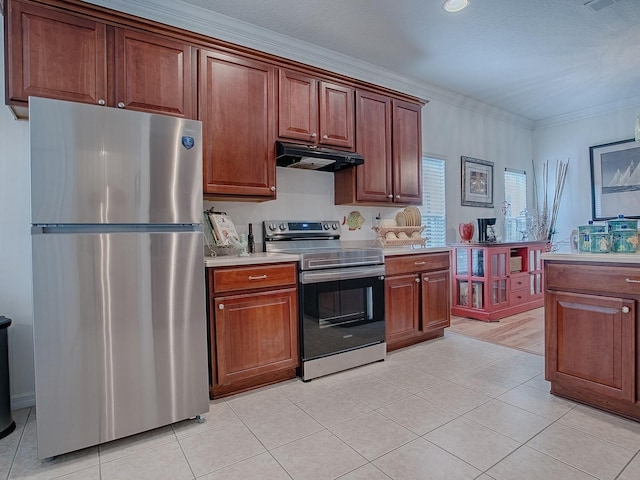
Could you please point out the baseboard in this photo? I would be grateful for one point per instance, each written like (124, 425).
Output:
(23, 401)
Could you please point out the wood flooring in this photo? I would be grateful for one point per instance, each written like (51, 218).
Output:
(524, 331)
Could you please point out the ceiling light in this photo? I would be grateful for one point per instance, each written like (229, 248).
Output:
(455, 5)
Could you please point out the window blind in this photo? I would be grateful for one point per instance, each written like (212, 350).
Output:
(433, 201)
(515, 193)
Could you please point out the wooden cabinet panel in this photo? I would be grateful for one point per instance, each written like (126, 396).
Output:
(401, 307)
(435, 300)
(336, 116)
(153, 74)
(416, 263)
(248, 278)
(60, 55)
(297, 106)
(54, 54)
(619, 280)
(590, 344)
(255, 334)
(236, 104)
(372, 181)
(388, 135)
(407, 153)
(417, 292)
(314, 111)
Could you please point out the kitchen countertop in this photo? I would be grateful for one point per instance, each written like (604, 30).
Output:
(262, 257)
(253, 259)
(594, 257)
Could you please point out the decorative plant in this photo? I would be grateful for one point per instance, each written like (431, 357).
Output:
(544, 222)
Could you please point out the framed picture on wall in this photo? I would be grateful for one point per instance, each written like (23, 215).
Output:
(477, 182)
(615, 179)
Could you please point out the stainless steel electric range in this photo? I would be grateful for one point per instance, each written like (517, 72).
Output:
(341, 295)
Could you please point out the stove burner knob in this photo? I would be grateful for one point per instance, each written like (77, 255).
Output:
(334, 225)
(272, 226)
(325, 226)
(283, 226)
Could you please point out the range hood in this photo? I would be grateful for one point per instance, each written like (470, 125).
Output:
(294, 155)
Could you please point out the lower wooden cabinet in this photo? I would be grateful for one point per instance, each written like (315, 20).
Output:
(253, 326)
(417, 294)
(592, 335)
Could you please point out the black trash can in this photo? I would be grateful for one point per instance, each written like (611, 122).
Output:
(7, 425)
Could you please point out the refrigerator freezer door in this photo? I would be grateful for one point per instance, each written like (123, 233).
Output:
(119, 333)
(92, 164)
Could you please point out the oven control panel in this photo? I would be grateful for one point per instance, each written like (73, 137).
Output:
(301, 228)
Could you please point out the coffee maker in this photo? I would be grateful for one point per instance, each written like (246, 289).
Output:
(486, 230)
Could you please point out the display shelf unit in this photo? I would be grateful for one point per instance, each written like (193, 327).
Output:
(491, 281)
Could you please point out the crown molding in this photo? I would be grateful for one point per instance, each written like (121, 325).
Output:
(209, 23)
(633, 102)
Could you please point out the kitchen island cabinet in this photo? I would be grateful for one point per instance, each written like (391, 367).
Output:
(416, 298)
(494, 280)
(253, 326)
(388, 135)
(236, 108)
(314, 111)
(57, 54)
(592, 332)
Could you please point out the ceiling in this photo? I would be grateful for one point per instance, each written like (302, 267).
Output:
(538, 59)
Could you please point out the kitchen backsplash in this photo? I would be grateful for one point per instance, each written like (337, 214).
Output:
(302, 195)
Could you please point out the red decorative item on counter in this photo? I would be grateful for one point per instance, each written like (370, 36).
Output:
(466, 231)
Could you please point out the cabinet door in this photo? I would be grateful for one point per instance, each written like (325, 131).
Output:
(401, 307)
(236, 108)
(407, 153)
(297, 106)
(373, 141)
(255, 334)
(435, 300)
(336, 115)
(590, 343)
(498, 279)
(56, 55)
(153, 74)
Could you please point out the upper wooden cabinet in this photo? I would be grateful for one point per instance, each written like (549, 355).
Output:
(314, 111)
(153, 74)
(60, 55)
(236, 108)
(388, 135)
(54, 54)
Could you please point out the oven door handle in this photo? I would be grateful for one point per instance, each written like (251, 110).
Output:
(346, 273)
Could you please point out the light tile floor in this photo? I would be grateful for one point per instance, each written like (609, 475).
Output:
(452, 408)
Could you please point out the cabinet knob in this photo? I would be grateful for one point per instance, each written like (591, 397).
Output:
(314, 135)
(273, 189)
(417, 280)
(397, 197)
(101, 101)
(325, 137)
(120, 104)
(625, 309)
(390, 195)
(221, 306)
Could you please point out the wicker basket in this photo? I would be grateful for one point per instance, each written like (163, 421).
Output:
(388, 236)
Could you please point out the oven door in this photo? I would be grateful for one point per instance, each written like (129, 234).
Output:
(341, 309)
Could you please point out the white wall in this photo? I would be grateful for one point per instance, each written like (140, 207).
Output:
(572, 141)
(15, 249)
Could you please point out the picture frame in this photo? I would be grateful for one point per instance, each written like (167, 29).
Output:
(615, 189)
(477, 182)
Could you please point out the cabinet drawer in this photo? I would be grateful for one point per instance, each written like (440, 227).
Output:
(519, 282)
(593, 278)
(258, 276)
(416, 263)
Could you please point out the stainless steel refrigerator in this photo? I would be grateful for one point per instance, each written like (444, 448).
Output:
(118, 273)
